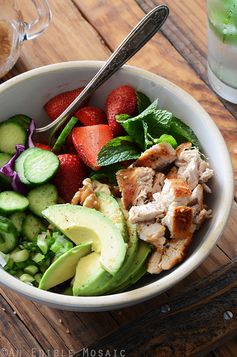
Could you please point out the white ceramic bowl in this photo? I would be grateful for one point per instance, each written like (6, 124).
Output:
(27, 94)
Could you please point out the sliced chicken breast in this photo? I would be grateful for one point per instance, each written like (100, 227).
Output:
(179, 221)
(157, 157)
(135, 183)
(152, 233)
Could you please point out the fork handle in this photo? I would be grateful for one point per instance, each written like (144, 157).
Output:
(135, 40)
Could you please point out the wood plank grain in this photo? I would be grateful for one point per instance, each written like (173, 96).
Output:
(69, 37)
(60, 330)
(186, 326)
(165, 60)
(15, 338)
(186, 29)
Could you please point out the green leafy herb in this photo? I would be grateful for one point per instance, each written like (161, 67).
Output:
(182, 132)
(119, 149)
(151, 121)
(142, 102)
(167, 139)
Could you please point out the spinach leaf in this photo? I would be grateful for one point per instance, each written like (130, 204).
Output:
(182, 132)
(116, 150)
(142, 102)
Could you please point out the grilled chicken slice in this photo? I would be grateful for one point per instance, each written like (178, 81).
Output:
(174, 253)
(193, 168)
(179, 221)
(157, 157)
(158, 182)
(182, 147)
(153, 266)
(148, 212)
(135, 183)
(176, 191)
(170, 255)
(152, 233)
(173, 173)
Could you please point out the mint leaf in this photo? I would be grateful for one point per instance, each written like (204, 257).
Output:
(122, 117)
(116, 150)
(182, 132)
(142, 102)
(151, 121)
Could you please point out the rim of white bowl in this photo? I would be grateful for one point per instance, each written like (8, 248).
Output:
(114, 301)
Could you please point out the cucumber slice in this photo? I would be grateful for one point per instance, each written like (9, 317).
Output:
(21, 119)
(64, 134)
(8, 235)
(42, 197)
(19, 164)
(4, 158)
(11, 134)
(32, 226)
(17, 219)
(40, 166)
(11, 202)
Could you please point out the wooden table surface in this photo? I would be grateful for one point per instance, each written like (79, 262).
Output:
(90, 30)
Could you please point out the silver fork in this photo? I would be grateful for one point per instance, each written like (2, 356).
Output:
(135, 40)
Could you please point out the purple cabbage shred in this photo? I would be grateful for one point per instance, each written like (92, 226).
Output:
(8, 171)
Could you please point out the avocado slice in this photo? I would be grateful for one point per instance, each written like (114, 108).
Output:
(89, 276)
(110, 209)
(134, 271)
(64, 267)
(122, 275)
(81, 224)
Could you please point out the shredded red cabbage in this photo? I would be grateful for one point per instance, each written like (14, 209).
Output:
(31, 130)
(8, 171)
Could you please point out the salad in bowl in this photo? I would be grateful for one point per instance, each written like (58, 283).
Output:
(117, 196)
(117, 208)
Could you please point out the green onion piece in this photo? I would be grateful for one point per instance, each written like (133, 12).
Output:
(31, 269)
(38, 257)
(42, 243)
(20, 256)
(27, 278)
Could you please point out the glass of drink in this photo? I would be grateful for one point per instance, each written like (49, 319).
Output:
(222, 47)
(13, 30)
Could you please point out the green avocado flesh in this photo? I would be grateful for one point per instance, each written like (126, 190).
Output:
(109, 207)
(82, 225)
(64, 267)
(89, 276)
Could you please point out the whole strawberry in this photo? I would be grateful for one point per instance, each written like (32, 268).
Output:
(91, 116)
(122, 100)
(70, 175)
(56, 105)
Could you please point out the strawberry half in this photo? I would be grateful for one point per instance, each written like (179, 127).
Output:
(56, 105)
(43, 146)
(122, 100)
(89, 140)
(69, 176)
(91, 116)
